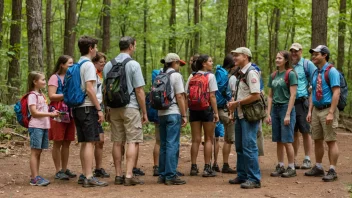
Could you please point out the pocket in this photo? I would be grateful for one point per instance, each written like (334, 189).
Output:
(306, 105)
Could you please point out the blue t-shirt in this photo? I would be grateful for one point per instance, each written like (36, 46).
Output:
(334, 78)
(302, 86)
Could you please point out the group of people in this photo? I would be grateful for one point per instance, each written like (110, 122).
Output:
(303, 96)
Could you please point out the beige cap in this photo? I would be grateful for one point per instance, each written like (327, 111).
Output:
(242, 50)
(171, 57)
(296, 46)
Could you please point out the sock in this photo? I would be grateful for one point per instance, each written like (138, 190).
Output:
(307, 157)
(332, 167)
(319, 165)
(292, 166)
(281, 164)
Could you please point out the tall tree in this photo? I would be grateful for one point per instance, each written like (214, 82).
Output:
(273, 30)
(48, 40)
(189, 36)
(236, 30)
(70, 24)
(341, 36)
(172, 38)
(349, 63)
(293, 30)
(106, 26)
(145, 68)
(256, 33)
(196, 21)
(319, 22)
(1, 16)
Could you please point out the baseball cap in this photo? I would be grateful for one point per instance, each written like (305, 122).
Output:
(321, 48)
(296, 46)
(242, 50)
(171, 57)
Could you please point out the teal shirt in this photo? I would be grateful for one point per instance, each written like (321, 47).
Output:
(280, 91)
(302, 86)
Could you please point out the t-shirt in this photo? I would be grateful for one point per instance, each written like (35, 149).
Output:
(53, 81)
(212, 84)
(281, 93)
(134, 77)
(302, 86)
(177, 87)
(87, 74)
(99, 89)
(232, 84)
(41, 105)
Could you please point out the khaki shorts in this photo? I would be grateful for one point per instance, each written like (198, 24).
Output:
(126, 125)
(157, 132)
(229, 126)
(321, 131)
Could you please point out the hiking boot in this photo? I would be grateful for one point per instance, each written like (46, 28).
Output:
(208, 172)
(61, 176)
(132, 181)
(92, 182)
(331, 176)
(138, 172)
(70, 174)
(315, 171)
(297, 166)
(100, 173)
(194, 170)
(81, 179)
(237, 180)
(306, 164)
(178, 173)
(155, 171)
(226, 169)
(175, 181)
(161, 180)
(39, 181)
(279, 170)
(250, 185)
(215, 168)
(289, 173)
(119, 180)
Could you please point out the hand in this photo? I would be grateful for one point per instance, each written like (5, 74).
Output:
(101, 117)
(216, 117)
(55, 113)
(329, 118)
(287, 120)
(107, 115)
(268, 119)
(144, 118)
(309, 117)
(184, 121)
(232, 105)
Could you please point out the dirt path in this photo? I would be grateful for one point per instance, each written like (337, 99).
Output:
(14, 173)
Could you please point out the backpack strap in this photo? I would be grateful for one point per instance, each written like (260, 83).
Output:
(287, 78)
(305, 67)
(244, 78)
(326, 74)
(81, 63)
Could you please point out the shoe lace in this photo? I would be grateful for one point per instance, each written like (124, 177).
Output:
(331, 172)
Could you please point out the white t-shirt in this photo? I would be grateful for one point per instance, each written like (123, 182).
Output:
(88, 73)
(212, 84)
(232, 84)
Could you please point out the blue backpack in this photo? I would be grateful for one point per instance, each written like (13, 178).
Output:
(260, 72)
(73, 94)
(223, 94)
(152, 113)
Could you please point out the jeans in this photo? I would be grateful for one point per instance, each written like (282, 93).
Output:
(281, 132)
(247, 150)
(169, 126)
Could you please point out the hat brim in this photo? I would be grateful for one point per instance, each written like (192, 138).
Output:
(182, 62)
(295, 48)
(314, 50)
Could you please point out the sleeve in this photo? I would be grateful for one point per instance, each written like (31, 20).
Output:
(334, 77)
(232, 83)
(32, 99)
(187, 83)
(53, 81)
(253, 81)
(293, 78)
(89, 72)
(137, 79)
(270, 82)
(178, 85)
(106, 69)
(213, 85)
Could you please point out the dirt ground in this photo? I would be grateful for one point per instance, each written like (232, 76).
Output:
(14, 173)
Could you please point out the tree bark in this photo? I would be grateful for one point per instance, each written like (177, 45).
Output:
(48, 40)
(1, 17)
(172, 23)
(236, 30)
(70, 23)
(341, 36)
(256, 33)
(293, 31)
(106, 26)
(145, 68)
(195, 22)
(349, 64)
(319, 22)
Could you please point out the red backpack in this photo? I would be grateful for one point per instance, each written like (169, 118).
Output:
(286, 78)
(198, 95)
(22, 111)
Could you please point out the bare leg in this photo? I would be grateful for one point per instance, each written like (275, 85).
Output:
(117, 156)
(34, 162)
(280, 152)
(65, 153)
(131, 156)
(87, 152)
(333, 152)
(226, 150)
(156, 153)
(209, 128)
(56, 154)
(216, 152)
(296, 144)
(307, 143)
(98, 152)
(289, 152)
(196, 129)
(319, 150)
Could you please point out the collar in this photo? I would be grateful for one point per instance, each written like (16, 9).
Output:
(245, 68)
(83, 58)
(300, 62)
(169, 70)
(324, 67)
(125, 55)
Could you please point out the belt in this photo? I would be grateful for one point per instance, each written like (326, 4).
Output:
(300, 100)
(323, 107)
(279, 104)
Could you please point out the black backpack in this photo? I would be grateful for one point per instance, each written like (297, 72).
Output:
(160, 95)
(116, 92)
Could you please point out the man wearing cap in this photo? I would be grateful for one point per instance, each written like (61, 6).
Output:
(304, 69)
(247, 92)
(324, 118)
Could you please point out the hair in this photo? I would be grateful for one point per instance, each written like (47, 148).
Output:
(249, 58)
(228, 62)
(33, 76)
(287, 58)
(327, 58)
(98, 57)
(61, 60)
(193, 65)
(201, 59)
(85, 42)
(125, 42)
(166, 65)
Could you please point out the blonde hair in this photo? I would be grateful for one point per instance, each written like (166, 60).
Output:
(33, 76)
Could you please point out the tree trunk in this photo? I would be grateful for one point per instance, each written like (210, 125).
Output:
(70, 23)
(106, 26)
(319, 22)
(145, 68)
(195, 22)
(256, 33)
(187, 51)
(48, 40)
(293, 31)
(349, 64)
(1, 17)
(172, 38)
(236, 30)
(341, 36)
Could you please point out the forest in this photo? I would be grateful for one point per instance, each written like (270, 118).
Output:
(34, 33)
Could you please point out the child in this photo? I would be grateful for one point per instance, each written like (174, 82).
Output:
(38, 125)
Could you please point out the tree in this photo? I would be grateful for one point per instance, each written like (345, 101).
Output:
(236, 30)
(319, 22)
(196, 32)
(273, 31)
(341, 36)
(188, 41)
(1, 16)
(70, 24)
(106, 26)
(145, 68)
(293, 31)
(256, 33)
(48, 40)
(172, 38)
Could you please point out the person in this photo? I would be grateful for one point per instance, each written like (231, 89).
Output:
(89, 114)
(219, 133)
(38, 125)
(126, 122)
(203, 118)
(247, 92)
(324, 115)
(304, 69)
(226, 85)
(170, 122)
(62, 132)
(281, 113)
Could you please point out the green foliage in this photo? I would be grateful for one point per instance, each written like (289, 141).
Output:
(7, 116)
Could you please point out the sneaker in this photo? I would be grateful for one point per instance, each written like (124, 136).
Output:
(39, 181)
(119, 180)
(70, 174)
(208, 172)
(297, 166)
(289, 173)
(237, 180)
(92, 182)
(132, 181)
(61, 176)
(178, 173)
(100, 173)
(315, 171)
(215, 168)
(155, 170)
(194, 170)
(279, 170)
(306, 164)
(331, 176)
(138, 172)
(226, 169)
(161, 180)
(81, 179)
(175, 181)
(250, 184)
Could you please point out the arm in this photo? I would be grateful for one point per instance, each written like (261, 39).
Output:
(214, 106)
(141, 101)
(334, 102)
(181, 104)
(93, 97)
(36, 114)
(309, 115)
(291, 103)
(52, 94)
(270, 103)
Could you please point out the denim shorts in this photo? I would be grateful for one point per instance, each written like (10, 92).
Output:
(281, 132)
(39, 138)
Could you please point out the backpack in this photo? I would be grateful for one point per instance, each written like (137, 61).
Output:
(116, 91)
(152, 113)
(198, 95)
(223, 94)
(286, 78)
(306, 71)
(160, 95)
(60, 105)
(260, 72)
(21, 109)
(73, 94)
